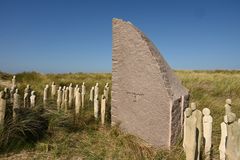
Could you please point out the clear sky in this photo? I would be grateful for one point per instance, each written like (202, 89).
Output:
(76, 35)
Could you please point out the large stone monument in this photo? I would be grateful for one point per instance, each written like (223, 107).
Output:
(148, 100)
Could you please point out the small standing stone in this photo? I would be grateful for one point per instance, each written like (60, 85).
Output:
(53, 89)
(77, 101)
(33, 99)
(103, 109)
(189, 136)
(233, 138)
(66, 99)
(198, 115)
(96, 89)
(16, 99)
(75, 90)
(228, 106)
(45, 94)
(71, 95)
(91, 94)
(207, 131)
(27, 94)
(16, 102)
(222, 146)
(12, 90)
(106, 91)
(96, 107)
(59, 98)
(14, 82)
(7, 96)
(3, 104)
(63, 97)
(83, 94)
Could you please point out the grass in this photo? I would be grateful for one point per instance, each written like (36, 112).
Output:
(69, 137)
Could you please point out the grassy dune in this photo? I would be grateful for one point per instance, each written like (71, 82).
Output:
(87, 139)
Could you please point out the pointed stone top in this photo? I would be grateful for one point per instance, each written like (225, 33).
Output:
(171, 81)
(143, 81)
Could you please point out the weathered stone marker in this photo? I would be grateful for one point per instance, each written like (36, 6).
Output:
(14, 82)
(53, 89)
(45, 95)
(207, 132)
(228, 106)
(66, 99)
(59, 98)
(83, 94)
(96, 89)
(16, 102)
(103, 109)
(77, 101)
(106, 91)
(63, 97)
(96, 107)
(189, 136)
(27, 94)
(146, 94)
(233, 134)
(198, 115)
(91, 94)
(75, 90)
(33, 99)
(71, 95)
(16, 99)
(2, 108)
(222, 146)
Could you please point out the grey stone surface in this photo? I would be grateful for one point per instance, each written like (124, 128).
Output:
(146, 94)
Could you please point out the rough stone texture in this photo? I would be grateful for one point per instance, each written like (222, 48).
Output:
(146, 95)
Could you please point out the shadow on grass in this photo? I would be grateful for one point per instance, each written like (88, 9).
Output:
(24, 130)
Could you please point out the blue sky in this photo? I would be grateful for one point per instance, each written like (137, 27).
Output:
(75, 35)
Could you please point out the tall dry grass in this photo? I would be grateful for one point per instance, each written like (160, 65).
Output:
(87, 139)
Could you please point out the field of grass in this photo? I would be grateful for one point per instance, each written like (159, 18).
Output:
(87, 139)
